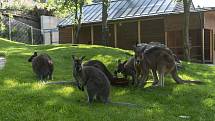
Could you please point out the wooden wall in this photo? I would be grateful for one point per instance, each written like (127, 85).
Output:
(97, 35)
(65, 35)
(209, 22)
(175, 22)
(85, 35)
(111, 36)
(175, 43)
(126, 35)
(209, 25)
(152, 30)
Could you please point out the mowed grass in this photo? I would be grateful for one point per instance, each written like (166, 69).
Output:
(24, 98)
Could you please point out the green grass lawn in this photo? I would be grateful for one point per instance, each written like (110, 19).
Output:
(24, 98)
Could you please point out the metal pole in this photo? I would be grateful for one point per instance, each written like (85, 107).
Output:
(9, 29)
(92, 34)
(51, 37)
(203, 45)
(139, 31)
(32, 36)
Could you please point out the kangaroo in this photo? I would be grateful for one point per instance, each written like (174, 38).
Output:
(98, 64)
(42, 65)
(95, 63)
(95, 81)
(127, 69)
(143, 47)
(162, 60)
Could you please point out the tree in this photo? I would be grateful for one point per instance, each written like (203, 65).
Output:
(73, 8)
(105, 4)
(186, 41)
(77, 20)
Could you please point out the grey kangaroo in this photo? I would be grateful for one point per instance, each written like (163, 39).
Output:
(42, 65)
(98, 64)
(95, 81)
(158, 59)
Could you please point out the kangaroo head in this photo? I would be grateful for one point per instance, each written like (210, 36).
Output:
(138, 55)
(32, 57)
(77, 63)
(138, 52)
(120, 66)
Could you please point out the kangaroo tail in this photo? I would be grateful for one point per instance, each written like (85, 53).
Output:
(193, 82)
(124, 104)
(62, 83)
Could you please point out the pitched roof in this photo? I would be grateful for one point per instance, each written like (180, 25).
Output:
(122, 9)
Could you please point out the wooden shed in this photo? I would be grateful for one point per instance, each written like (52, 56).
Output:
(145, 21)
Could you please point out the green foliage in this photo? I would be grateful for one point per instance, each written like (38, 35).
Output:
(17, 5)
(2, 26)
(24, 98)
(64, 8)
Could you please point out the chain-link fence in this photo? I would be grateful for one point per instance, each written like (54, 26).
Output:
(18, 31)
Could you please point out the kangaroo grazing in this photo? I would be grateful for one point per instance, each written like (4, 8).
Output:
(158, 59)
(42, 65)
(95, 81)
(127, 69)
(98, 64)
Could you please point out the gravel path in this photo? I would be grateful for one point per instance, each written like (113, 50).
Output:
(2, 62)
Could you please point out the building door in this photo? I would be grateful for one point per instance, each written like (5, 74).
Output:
(208, 46)
(213, 39)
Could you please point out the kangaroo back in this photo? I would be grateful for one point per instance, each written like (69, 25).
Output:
(43, 66)
(98, 64)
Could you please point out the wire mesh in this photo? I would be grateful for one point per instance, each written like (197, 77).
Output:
(20, 32)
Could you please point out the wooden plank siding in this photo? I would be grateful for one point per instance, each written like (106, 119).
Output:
(65, 35)
(175, 22)
(207, 46)
(209, 23)
(97, 35)
(127, 35)
(175, 43)
(85, 35)
(209, 20)
(152, 30)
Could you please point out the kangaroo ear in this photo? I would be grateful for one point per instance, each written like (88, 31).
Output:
(134, 48)
(136, 43)
(35, 53)
(82, 58)
(124, 62)
(119, 61)
(73, 57)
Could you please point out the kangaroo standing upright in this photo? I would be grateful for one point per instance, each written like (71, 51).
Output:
(158, 59)
(95, 81)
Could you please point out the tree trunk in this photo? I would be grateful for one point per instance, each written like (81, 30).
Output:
(186, 41)
(104, 22)
(79, 22)
(76, 23)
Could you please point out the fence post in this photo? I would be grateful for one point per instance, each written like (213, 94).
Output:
(51, 41)
(32, 36)
(9, 28)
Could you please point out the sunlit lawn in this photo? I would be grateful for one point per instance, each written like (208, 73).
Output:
(24, 98)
